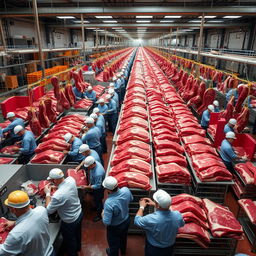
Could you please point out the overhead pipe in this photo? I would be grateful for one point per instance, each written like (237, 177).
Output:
(83, 37)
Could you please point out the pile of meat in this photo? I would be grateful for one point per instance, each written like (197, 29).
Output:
(79, 176)
(5, 160)
(247, 172)
(10, 150)
(131, 162)
(3, 230)
(249, 208)
(49, 151)
(42, 184)
(203, 217)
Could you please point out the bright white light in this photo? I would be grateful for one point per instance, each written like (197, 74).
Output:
(166, 21)
(144, 17)
(172, 17)
(195, 21)
(138, 40)
(143, 21)
(109, 21)
(103, 17)
(79, 21)
(232, 17)
(207, 17)
(215, 21)
(65, 17)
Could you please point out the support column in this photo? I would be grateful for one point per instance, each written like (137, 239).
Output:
(170, 37)
(200, 39)
(2, 35)
(97, 39)
(177, 32)
(39, 37)
(106, 38)
(83, 37)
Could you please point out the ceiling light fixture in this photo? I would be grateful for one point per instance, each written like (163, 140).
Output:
(65, 17)
(215, 21)
(172, 17)
(103, 17)
(144, 17)
(166, 21)
(232, 17)
(79, 21)
(143, 21)
(207, 17)
(109, 21)
(195, 21)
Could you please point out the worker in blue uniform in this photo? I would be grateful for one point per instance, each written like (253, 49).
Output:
(229, 127)
(79, 95)
(102, 106)
(216, 106)
(118, 85)
(115, 216)
(66, 202)
(28, 144)
(101, 122)
(123, 84)
(97, 175)
(114, 96)
(73, 154)
(91, 137)
(90, 94)
(86, 151)
(9, 129)
(227, 152)
(230, 93)
(206, 116)
(30, 231)
(161, 226)
(112, 114)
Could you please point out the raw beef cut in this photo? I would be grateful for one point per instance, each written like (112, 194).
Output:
(203, 164)
(34, 122)
(56, 87)
(215, 173)
(133, 133)
(243, 93)
(196, 233)
(63, 100)
(189, 217)
(69, 93)
(132, 143)
(242, 119)
(163, 144)
(180, 160)
(245, 173)
(5, 160)
(42, 115)
(83, 104)
(252, 169)
(42, 185)
(10, 150)
(79, 176)
(134, 121)
(53, 144)
(199, 148)
(186, 197)
(192, 139)
(135, 111)
(50, 112)
(208, 99)
(229, 111)
(222, 221)
(133, 152)
(166, 152)
(250, 208)
(3, 230)
(191, 131)
(170, 137)
(48, 157)
(133, 180)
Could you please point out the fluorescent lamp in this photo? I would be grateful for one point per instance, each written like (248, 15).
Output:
(143, 21)
(231, 17)
(172, 17)
(166, 21)
(215, 21)
(144, 17)
(207, 17)
(109, 21)
(103, 17)
(65, 17)
(195, 21)
(79, 21)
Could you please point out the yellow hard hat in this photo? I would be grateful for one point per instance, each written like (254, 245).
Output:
(17, 199)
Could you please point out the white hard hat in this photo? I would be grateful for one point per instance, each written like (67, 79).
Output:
(101, 100)
(232, 121)
(114, 78)
(108, 97)
(121, 73)
(211, 107)
(216, 103)
(67, 137)
(110, 183)
(162, 198)
(230, 135)
(10, 114)
(89, 160)
(118, 75)
(96, 110)
(89, 88)
(111, 84)
(89, 120)
(18, 128)
(94, 116)
(83, 148)
(55, 174)
(111, 91)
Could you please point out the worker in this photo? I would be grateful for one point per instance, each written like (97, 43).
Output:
(161, 226)
(30, 232)
(123, 85)
(104, 135)
(92, 136)
(117, 82)
(97, 175)
(227, 152)
(66, 202)
(112, 114)
(229, 127)
(232, 92)
(114, 96)
(73, 154)
(28, 144)
(116, 216)
(79, 95)
(10, 128)
(216, 106)
(206, 116)
(90, 94)
(102, 107)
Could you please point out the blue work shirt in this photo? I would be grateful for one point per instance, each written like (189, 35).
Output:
(79, 95)
(28, 144)
(101, 118)
(30, 235)
(10, 127)
(216, 109)
(230, 93)
(66, 201)
(118, 84)
(227, 128)
(227, 153)
(116, 98)
(112, 107)
(116, 207)
(205, 118)
(122, 82)
(74, 150)
(92, 137)
(91, 95)
(126, 73)
(97, 175)
(103, 109)
(161, 227)
(95, 155)
(101, 126)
